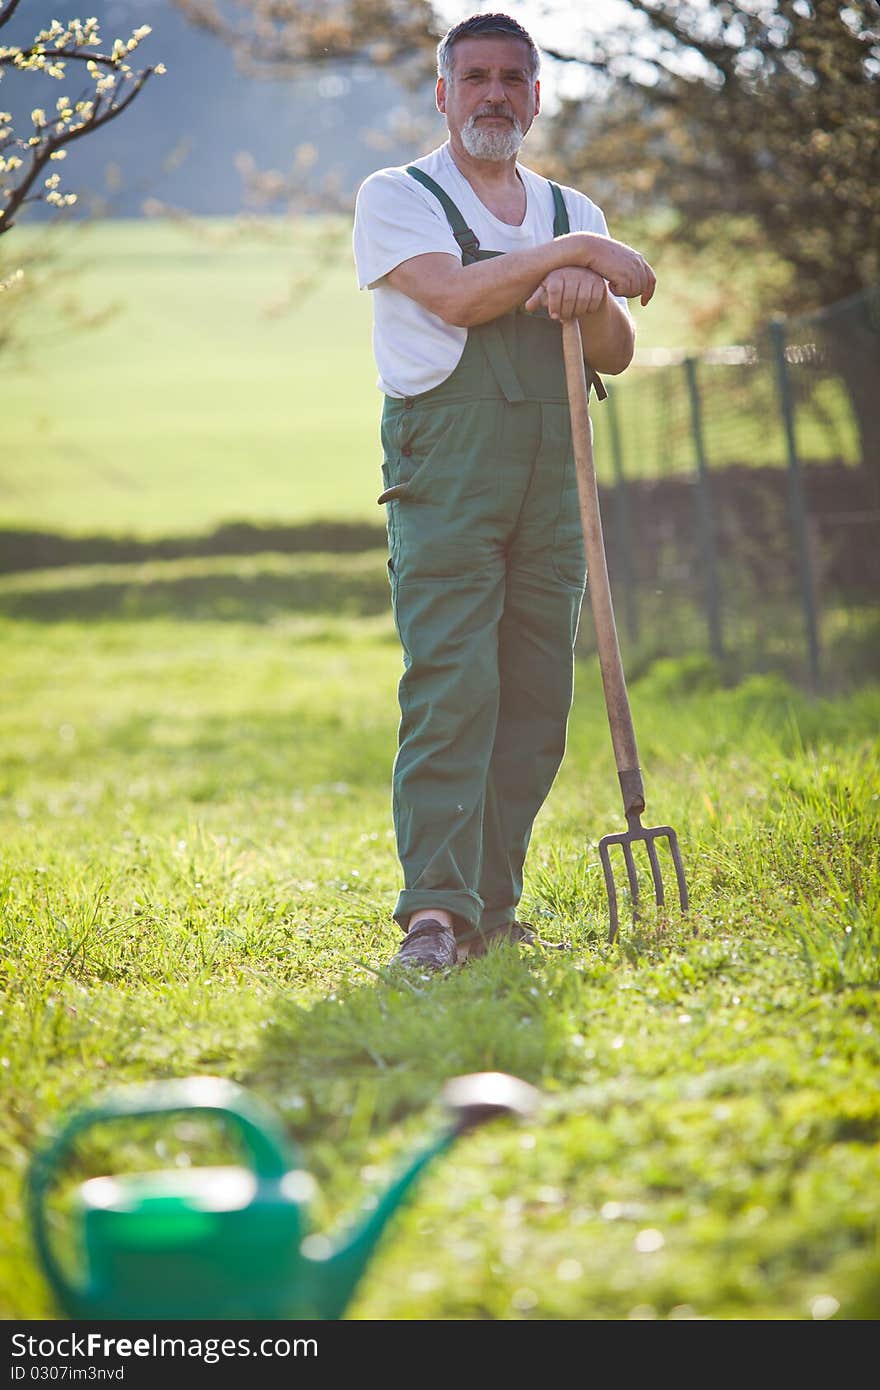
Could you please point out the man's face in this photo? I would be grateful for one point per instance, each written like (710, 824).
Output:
(490, 101)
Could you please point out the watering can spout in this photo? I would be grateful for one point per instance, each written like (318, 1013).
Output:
(470, 1101)
(338, 1269)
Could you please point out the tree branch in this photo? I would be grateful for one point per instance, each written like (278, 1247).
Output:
(66, 54)
(42, 155)
(7, 10)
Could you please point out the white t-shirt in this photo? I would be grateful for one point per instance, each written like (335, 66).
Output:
(397, 218)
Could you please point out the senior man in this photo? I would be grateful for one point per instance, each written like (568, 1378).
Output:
(473, 261)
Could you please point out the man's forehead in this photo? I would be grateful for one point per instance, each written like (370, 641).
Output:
(491, 51)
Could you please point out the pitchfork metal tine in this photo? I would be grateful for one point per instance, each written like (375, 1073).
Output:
(649, 835)
(679, 868)
(655, 871)
(610, 888)
(631, 873)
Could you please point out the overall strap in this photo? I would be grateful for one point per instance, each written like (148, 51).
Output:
(490, 334)
(493, 340)
(561, 224)
(467, 239)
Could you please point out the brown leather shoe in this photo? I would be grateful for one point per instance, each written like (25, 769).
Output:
(429, 945)
(514, 934)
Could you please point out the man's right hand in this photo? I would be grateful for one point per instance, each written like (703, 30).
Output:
(627, 272)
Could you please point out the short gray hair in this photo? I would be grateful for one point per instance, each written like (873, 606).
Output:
(478, 26)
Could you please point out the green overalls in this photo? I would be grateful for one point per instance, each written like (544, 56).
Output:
(487, 581)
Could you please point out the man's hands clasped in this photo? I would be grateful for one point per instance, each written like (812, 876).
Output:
(568, 293)
(581, 288)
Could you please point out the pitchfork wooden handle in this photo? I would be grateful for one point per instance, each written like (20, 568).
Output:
(623, 736)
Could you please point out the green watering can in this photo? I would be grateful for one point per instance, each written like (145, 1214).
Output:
(226, 1242)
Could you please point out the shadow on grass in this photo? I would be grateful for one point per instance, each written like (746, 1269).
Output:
(256, 590)
(370, 1056)
(36, 550)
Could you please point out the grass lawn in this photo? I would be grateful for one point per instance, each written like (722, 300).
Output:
(197, 874)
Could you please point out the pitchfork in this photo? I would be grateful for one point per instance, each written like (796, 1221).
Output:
(623, 735)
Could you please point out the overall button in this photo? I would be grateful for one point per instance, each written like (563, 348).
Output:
(408, 403)
(406, 450)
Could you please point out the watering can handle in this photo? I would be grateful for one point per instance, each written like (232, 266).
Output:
(270, 1151)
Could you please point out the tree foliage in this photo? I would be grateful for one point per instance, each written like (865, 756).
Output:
(287, 36)
(735, 116)
(750, 115)
(110, 85)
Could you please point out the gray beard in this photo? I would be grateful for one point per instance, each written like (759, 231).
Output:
(487, 142)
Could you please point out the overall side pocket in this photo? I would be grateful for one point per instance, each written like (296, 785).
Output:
(386, 500)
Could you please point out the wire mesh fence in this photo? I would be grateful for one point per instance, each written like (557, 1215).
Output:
(741, 499)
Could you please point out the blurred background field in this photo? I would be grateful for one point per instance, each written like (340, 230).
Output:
(197, 400)
(187, 364)
(224, 373)
(197, 387)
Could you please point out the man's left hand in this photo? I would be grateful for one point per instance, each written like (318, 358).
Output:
(568, 293)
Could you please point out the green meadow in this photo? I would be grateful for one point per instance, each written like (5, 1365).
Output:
(198, 875)
(197, 869)
(221, 372)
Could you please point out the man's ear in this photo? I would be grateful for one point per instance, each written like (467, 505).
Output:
(537, 97)
(440, 95)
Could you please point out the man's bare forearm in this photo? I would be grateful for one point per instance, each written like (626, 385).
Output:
(470, 295)
(485, 290)
(608, 337)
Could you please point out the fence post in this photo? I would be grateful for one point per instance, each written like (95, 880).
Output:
(704, 505)
(798, 506)
(622, 520)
